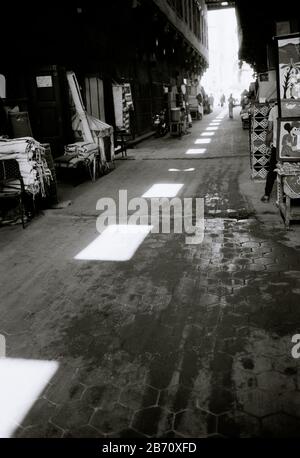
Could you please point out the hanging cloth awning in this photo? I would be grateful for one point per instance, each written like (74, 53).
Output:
(97, 127)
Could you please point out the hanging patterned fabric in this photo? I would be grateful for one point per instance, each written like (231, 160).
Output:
(123, 104)
(259, 152)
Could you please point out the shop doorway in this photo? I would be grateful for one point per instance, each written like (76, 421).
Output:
(49, 107)
(94, 96)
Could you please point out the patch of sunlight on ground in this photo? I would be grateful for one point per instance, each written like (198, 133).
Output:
(195, 151)
(21, 383)
(115, 243)
(163, 190)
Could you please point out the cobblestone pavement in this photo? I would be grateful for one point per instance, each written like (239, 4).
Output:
(180, 341)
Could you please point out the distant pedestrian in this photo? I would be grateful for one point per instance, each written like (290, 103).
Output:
(200, 105)
(222, 100)
(183, 121)
(230, 106)
(211, 102)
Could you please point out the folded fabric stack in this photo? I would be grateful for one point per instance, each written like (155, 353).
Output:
(99, 130)
(83, 150)
(30, 156)
(77, 153)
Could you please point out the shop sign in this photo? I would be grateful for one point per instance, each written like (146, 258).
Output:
(44, 81)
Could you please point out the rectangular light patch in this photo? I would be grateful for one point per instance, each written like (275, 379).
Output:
(195, 151)
(202, 141)
(163, 190)
(116, 243)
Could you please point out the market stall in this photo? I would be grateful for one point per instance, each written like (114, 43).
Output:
(94, 152)
(34, 161)
(288, 127)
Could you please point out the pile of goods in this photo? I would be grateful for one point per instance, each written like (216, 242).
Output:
(30, 155)
(77, 154)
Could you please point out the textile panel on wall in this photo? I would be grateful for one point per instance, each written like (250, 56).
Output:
(122, 104)
(259, 152)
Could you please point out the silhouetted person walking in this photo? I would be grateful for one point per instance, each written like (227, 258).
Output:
(230, 106)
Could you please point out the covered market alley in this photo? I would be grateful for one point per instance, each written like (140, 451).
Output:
(125, 331)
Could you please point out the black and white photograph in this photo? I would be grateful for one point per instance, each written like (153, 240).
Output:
(149, 226)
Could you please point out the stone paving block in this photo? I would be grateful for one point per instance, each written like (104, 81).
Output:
(178, 397)
(216, 436)
(276, 268)
(286, 365)
(257, 268)
(258, 403)
(153, 421)
(58, 392)
(195, 423)
(232, 345)
(137, 396)
(244, 379)
(222, 399)
(253, 363)
(113, 419)
(72, 415)
(129, 433)
(280, 425)
(40, 431)
(101, 396)
(265, 261)
(237, 424)
(40, 413)
(172, 435)
(275, 382)
(263, 344)
(209, 299)
(83, 432)
(219, 290)
(290, 402)
(250, 245)
(269, 254)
